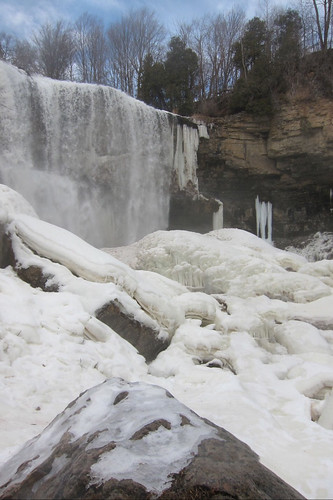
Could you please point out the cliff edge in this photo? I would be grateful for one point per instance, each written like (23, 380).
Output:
(286, 159)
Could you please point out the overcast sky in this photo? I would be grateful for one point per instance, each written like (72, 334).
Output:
(21, 17)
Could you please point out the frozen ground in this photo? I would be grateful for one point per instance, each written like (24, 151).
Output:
(251, 330)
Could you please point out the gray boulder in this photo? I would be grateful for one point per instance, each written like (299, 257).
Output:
(123, 440)
(144, 338)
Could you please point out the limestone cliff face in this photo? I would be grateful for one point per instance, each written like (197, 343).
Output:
(287, 160)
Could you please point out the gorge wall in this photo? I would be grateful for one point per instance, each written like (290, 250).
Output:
(286, 160)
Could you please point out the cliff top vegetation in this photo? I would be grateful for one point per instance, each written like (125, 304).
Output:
(211, 66)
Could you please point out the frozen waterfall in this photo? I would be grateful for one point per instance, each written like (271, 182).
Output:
(90, 158)
(264, 217)
(218, 217)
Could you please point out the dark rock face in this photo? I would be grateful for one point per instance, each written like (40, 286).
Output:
(191, 212)
(143, 338)
(124, 441)
(286, 160)
(5, 247)
(34, 275)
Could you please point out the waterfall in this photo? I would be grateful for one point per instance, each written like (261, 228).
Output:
(90, 158)
(264, 217)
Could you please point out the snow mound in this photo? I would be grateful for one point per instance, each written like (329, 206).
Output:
(13, 203)
(249, 332)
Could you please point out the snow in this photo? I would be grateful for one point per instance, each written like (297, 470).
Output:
(317, 247)
(250, 329)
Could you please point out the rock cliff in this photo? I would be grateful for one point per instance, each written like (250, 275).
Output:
(286, 159)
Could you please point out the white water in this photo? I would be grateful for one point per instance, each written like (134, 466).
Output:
(90, 158)
(264, 216)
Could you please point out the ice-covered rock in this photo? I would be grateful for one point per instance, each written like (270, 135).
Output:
(122, 440)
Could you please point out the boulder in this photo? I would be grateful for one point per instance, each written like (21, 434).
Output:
(123, 440)
(145, 339)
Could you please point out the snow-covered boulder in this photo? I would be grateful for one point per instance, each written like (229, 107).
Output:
(51, 258)
(134, 440)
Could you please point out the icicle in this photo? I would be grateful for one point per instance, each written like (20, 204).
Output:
(269, 221)
(264, 219)
(218, 217)
(185, 157)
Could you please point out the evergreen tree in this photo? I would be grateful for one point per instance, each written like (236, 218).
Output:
(181, 68)
(251, 47)
(152, 86)
(287, 48)
(252, 91)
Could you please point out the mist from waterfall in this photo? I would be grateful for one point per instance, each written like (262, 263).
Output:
(90, 158)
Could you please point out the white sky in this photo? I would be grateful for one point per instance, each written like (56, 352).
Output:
(21, 17)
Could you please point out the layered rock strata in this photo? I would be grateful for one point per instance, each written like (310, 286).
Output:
(286, 160)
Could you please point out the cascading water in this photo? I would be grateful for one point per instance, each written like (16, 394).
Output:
(90, 158)
(264, 216)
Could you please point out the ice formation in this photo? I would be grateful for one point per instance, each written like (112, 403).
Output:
(250, 331)
(218, 217)
(264, 217)
(319, 246)
(84, 153)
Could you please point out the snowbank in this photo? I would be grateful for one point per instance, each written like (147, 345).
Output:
(250, 329)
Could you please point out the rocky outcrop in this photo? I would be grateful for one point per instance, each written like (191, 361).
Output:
(286, 160)
(192, 212)
(145, 339)
(5, 247)
(124, 440)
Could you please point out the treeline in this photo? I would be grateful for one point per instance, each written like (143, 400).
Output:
(212, 65)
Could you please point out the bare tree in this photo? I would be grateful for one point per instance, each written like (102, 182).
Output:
(91, 53)
(55, 48)
(148, 36)
(195, 36)
(323, 13)
(268, 12)
(223, 32)
(131, 40)
(25, 56)
(213, 38)
(7, 43)
(309, 26)
(121, 47)
(233, 29)
(81, 36)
